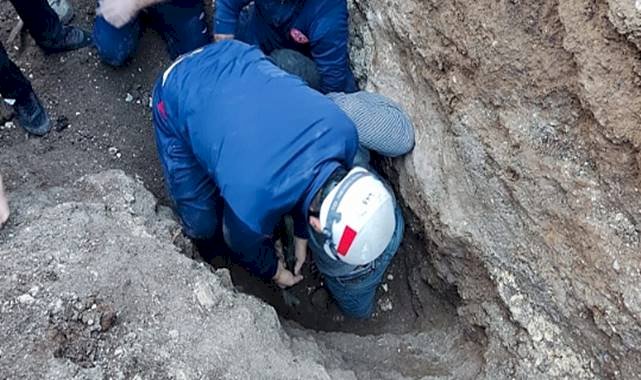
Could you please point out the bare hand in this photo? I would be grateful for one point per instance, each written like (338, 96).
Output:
(222, 37)
(4, 206)
(118, 12)
(284, 278)
(300, 247)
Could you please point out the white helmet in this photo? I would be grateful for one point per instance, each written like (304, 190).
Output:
(358, 218)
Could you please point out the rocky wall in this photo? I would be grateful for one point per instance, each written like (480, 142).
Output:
(525, 176)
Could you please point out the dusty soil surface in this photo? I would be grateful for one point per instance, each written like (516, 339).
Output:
(87, 102)
(94, 286)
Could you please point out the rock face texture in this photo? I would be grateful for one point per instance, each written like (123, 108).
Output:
(526, 173)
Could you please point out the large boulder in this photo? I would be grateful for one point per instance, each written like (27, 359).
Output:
(526, 173)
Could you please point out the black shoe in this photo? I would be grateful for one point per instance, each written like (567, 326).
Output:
(71, 38)
(32, 115)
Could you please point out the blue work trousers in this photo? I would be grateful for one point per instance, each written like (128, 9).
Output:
(355, 292)
(181, 23)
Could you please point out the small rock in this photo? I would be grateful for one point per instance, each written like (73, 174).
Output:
(62, 123)
(108, 319)
(385, 304)
(204, 295)
(385, 287)
(115, 152)
(616, 265)
(390, 277)
(26, 299)
(129, 98)
(8, 125)
(58, 307)
(34, 291)
(320, 298)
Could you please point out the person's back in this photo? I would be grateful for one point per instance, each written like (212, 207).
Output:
(264, 138)
(256, 128)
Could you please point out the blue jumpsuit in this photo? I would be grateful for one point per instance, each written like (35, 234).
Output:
(233, 128)
(316, 28)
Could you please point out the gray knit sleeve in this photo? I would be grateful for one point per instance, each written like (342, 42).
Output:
(382, 124)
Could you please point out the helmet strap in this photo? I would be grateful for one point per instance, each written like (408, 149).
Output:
(329, 185)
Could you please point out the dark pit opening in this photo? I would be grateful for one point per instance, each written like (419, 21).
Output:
(406, 300)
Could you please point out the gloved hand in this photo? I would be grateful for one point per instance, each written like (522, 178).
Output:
(119, 12)
(284, 278)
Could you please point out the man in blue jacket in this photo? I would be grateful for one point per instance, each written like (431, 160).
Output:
(117, 27)
(318, 29)
(242, 143)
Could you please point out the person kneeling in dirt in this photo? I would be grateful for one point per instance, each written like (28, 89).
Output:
(52, 37)
(4, 205)
(117, 26)
(319, 29)
(242, 143)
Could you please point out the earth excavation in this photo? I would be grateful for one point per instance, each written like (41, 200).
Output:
(521, 252)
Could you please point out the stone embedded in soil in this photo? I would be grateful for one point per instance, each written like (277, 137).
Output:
(26, 299)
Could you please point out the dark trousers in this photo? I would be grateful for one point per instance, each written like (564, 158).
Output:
(13, 85)
(43, 25)
(180, 22)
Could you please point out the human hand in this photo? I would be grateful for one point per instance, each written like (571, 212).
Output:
(222, 37)
(118, 12)
(300, 249)
(284, 278)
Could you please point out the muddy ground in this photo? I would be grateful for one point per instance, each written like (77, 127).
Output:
(102, 121)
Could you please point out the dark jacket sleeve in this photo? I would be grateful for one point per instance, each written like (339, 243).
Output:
(328, 39)
(253, 250)
(300, 226)
(227, 12)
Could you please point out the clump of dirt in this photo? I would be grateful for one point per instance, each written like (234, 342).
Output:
(76, 327)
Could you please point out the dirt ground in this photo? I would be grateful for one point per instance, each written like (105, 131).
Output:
(102, 121)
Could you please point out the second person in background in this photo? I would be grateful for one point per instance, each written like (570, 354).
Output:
(318, 29)
(117, 28)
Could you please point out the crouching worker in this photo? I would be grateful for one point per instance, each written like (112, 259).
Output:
(242, 143)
